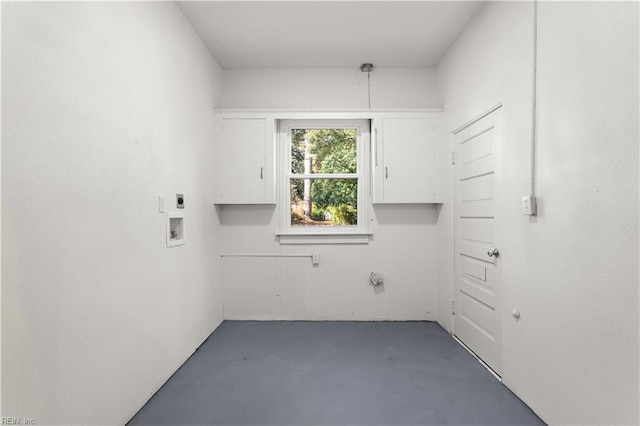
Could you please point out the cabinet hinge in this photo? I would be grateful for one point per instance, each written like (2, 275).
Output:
(453, 158)
(453, 310)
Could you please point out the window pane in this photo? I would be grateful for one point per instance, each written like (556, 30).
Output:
(323, 151)
(324, 202)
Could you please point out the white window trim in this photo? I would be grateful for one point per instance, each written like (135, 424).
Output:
(358, 234)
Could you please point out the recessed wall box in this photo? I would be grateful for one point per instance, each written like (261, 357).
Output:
(175, 229)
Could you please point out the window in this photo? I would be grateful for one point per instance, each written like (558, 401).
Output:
(323, 185)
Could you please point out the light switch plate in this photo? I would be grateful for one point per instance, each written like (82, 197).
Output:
(529, 206)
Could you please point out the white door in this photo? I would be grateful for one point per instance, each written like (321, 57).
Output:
(477, 306)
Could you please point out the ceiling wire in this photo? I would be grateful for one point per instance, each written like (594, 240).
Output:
(369, 87)
(367, 67)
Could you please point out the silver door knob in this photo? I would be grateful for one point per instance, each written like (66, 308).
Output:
(493, 253)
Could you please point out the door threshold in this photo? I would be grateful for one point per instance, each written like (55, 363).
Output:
(476, 357)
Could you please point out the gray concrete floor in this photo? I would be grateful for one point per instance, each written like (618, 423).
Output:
(332, 373)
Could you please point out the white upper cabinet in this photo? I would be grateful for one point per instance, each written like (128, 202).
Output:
(244, 160)
(404, 159)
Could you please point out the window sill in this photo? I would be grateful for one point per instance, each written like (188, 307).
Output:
(324, 238)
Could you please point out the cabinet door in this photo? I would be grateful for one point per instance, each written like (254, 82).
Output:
(408, 152)
(241, 160)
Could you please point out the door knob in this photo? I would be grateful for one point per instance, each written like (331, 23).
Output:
(493, 253)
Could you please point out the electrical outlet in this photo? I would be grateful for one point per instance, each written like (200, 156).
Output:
(315, 258)
(529, 206)
(160, 204)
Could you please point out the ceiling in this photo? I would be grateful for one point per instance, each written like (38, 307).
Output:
(326, 34)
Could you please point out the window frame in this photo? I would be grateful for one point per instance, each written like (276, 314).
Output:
(331, 234)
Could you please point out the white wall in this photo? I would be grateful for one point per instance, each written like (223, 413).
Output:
(106, 106)
(404, 236)
(328, 88)
(572, 271)
(403, 250)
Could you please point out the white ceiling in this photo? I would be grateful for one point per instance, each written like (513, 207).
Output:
(302, 34)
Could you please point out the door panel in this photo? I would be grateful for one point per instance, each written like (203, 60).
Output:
(479, 229)
(471, 269)
(476, 251)
(478, 315)
(477, 275)
(476, 188)
(477, 147)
